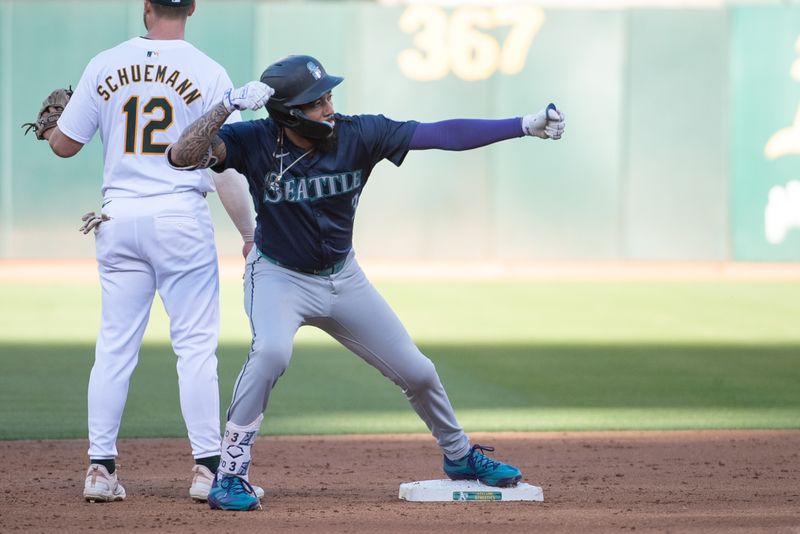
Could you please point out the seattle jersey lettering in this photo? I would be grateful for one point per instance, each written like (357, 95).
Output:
(152, 74)
(302, 189)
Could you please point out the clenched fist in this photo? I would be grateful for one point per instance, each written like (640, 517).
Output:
(253, 95)
(547, 124)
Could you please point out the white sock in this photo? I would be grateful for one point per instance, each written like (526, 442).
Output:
(236, 444)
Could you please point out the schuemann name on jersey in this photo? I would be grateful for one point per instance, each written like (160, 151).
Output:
(152, 74)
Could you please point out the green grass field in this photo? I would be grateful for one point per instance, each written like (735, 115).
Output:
(512, 355)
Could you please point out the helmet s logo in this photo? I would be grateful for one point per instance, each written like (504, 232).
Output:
(314, 69)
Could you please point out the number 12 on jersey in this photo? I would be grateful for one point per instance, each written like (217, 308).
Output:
(159, 121)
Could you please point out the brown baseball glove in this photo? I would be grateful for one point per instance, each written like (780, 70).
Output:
(52, 108)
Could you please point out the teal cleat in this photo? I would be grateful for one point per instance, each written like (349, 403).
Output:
(477, 466)
(232, 493)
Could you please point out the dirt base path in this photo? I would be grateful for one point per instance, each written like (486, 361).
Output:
(714, 481)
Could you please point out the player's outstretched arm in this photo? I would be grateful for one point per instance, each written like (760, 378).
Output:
(466, 134)
(199, 146)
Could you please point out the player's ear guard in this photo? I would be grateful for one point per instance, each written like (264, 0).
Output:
(295, 119)
(313, 129)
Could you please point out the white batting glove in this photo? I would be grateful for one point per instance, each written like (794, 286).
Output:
(547, 124)
(253, 95)
(92, 221)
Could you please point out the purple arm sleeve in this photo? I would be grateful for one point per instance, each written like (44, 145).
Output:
(464, 134)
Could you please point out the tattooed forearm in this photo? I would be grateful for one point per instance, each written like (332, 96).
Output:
(192, 146)
(218, 149)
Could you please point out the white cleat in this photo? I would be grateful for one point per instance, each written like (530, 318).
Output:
(100, 486)
(202, 478)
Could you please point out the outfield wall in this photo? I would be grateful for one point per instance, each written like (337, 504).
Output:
(681, 141)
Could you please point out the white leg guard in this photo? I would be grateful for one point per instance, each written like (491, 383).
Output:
(236, 445)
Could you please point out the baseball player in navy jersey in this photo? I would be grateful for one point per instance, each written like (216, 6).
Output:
(307, 168)
(155, 232)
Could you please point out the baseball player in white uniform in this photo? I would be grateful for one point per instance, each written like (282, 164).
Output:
(156, 233)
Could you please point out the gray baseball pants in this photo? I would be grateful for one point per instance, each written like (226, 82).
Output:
(346, 306)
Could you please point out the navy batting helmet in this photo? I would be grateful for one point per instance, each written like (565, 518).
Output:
(298, 80)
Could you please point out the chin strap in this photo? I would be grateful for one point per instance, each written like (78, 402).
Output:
(310, 128)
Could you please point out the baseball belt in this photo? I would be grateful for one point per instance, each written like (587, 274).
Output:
(327, 271)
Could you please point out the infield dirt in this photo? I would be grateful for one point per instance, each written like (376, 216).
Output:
(710, 481)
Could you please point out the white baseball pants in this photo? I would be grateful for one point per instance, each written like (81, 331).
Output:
(162, 243)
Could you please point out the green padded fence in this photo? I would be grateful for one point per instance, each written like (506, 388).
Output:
(679, 141)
